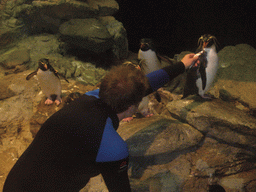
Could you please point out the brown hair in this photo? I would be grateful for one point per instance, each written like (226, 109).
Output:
(122, 87)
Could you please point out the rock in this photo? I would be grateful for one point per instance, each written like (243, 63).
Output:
(89, 34)
(231, 90)
(41, 46)
(162, 136)
(77, 9)
(217, 163)
(51, 13)
(187, 145)
(14, 58)
(119, 35)
(88, 73)
(217, 119)
(236, 73)
(20, 18)
(161, 140)
(5, 91)
(42, 112)
(16, 109)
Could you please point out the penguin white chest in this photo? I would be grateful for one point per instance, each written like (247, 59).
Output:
(50, 84)
(149, 61)
(211, 69)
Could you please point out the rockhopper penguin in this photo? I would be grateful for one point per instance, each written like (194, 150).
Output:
(200, 77)
(150, 61)
(49, 81)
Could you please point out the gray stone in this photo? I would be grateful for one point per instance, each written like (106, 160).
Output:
(218, 119)
(5, 91)
(119, 35)
(162, 137)
(89, 34)
(15, 57)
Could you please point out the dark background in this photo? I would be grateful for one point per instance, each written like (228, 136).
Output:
(175, 26)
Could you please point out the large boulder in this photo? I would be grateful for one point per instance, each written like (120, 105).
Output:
(217, 119)
(158, 136)
(89, 34)
(48, 15)
(207, 143)
(20, 19)
(119, 35)
(236, 78)
(15, 59)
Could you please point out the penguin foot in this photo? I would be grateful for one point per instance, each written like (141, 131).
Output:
(127, 119)
(206, 97)
(148, 115)
(58, 102)
(48, 102)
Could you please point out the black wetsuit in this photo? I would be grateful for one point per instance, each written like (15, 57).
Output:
(76, 143)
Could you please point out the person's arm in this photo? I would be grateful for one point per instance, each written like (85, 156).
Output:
(115, 175)
(160, 77)
(112, 160)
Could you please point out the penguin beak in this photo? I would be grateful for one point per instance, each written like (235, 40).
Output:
(205, 44)
(45, 66)
(142, 45)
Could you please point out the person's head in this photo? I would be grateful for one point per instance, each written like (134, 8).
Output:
(122, 87)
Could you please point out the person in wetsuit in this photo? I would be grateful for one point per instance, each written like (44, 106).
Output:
(80, 140)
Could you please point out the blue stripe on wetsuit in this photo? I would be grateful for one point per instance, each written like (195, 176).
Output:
(158, 79)
(94, 93)
(112, 146)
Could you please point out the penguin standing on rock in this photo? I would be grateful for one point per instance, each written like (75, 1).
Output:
(149, 60)
(200, 77)
(49, 80)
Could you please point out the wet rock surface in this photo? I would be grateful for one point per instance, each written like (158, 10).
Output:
(188, 145)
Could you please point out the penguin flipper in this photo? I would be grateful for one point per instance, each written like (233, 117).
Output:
(57, 74)
(203, 76)
(202, 68)
(63, 77)
(31, 75)
(190, 85)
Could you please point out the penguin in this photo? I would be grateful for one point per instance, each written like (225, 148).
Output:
(149, 59)
(200, 76)
(49, 80)
(143, 108)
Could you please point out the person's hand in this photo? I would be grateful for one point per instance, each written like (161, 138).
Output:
(189, 59)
